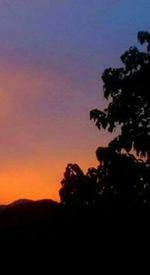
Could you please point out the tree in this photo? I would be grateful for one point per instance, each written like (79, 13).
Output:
(72, 183)
(127, 90)
(121, 176)
(78, 188)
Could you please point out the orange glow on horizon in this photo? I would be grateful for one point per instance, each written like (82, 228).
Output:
(32, 181)
(37, 144)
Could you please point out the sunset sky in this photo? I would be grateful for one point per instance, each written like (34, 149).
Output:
(52, 55)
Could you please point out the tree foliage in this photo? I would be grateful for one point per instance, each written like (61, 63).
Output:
(120, 175)
(127, 90)
(79, 188)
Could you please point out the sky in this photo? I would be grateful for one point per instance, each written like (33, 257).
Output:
(52, 55)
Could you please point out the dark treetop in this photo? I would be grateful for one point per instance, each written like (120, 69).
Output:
(127, 90)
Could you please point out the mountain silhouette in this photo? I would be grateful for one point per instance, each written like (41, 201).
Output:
(19, 202)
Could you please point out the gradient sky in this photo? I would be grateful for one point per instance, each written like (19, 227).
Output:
(52, 54)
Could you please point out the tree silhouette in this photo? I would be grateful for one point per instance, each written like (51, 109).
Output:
(128, 91)
(79, 188)
(121, 176)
